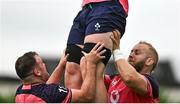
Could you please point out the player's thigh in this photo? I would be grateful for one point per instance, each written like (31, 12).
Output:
(100, 37)
(102, 20)
(72, 68)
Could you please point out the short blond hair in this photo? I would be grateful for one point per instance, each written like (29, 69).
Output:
(153, 51)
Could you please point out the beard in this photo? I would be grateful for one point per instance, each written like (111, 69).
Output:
(139, 65)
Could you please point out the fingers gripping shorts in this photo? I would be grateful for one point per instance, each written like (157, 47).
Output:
(89, 46)
(75, 52)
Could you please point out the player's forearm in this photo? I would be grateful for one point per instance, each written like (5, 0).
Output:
(125, 69)
(101, 92)
(88, 86)
(131, 77)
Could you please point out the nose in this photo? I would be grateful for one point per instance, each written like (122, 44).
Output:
(131, 55)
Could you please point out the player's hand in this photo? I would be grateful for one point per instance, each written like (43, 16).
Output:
(95, 55)
(115, 37)
(63, 59)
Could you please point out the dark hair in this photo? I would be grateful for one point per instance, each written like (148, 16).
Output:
(25, 64)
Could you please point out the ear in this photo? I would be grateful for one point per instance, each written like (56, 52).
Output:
(36, 72)
(149, 61)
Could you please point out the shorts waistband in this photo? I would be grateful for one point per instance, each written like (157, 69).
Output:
(93, 5)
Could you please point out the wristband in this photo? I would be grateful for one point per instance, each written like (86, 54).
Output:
(117, 54)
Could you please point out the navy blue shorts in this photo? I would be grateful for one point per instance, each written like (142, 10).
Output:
(97, 18)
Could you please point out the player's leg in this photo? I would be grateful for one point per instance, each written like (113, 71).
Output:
(103, 20)
(73, 77)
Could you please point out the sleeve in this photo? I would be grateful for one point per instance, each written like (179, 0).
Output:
(68, 97)
(153, 87)
(57, 94)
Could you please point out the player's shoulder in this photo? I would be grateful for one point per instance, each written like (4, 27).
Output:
(154, 85)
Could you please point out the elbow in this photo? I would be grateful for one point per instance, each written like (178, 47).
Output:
(86, 98)
(89, 98)
(128, 79)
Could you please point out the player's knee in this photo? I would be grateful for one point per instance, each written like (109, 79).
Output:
(88, 46)
(74, 52)
(72, 68)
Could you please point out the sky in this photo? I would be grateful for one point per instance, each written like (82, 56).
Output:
(43, 26)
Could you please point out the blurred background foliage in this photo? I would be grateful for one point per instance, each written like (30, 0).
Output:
(8, 98)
